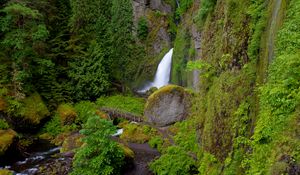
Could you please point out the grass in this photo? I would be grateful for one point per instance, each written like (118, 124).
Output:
(129, 104)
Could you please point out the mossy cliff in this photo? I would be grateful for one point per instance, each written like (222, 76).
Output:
(245, 116)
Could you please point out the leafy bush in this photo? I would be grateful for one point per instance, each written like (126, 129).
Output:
(31, 109)
(156, 142)
(184, 5)
(206, 7)
(99, 154)
(142, 30)
(124, 103)
(53, 127)
(3, 124)
(85, 109)
(175, 162)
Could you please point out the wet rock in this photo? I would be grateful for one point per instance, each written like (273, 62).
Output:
(7, 138)
(167, 105)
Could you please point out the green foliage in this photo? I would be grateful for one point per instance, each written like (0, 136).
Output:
(209, 165)
(53, 127)
(137, 133)
(205, 68)
(257, 11)
(124, 103)
(206, 7)
(184, 5)
(142, 29)
(176, 161)
(3, 124)
(31, 109)
(22, 43)
(99, 154)
(156, 142)
(90, 74)
(67, 114)
(84, 110)
(180, 57)
(274, 135)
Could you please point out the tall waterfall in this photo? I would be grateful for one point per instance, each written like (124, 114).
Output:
(162, 76)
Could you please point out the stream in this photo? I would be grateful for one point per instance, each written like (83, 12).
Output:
(44, 158)
(273, 29)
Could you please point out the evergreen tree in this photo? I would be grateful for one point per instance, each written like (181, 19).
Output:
(121, 38)
(22, 47)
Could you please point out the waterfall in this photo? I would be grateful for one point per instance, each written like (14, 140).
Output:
(162, 76)
(273, 29)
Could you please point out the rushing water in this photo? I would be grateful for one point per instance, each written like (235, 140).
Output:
(31, 164)
(162, 76)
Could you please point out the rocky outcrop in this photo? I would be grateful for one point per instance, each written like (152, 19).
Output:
(167, 105)
(7, 138)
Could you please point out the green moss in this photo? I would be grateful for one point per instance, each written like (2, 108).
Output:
(137, 133)
(5, 172)
(180, 57)
(127, 151)
(31, 109)
(123, 103)
(169, 89)
(6, 139)
(84, 110)
(67, 114)
(3, 124)
(71, 143)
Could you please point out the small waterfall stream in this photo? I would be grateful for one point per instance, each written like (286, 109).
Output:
(273, 29)
(162, 76)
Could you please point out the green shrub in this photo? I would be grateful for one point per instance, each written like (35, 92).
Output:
(31, 108)
(3, 124)
(156, 142)
(99, 154)
(53, 127)
(123, 103)
(175, 162)
(136, 133)
(142, 29)
(206, 7)
(85, 109)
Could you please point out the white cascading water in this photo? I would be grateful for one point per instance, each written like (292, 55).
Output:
(162, 76)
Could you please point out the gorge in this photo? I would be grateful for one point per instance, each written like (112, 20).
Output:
(76, 80)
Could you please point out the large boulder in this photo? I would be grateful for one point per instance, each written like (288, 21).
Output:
(167, 105)
(7, 138)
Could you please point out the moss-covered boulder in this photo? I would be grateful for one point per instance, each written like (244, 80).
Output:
(32, 111)
(5, 172)
(72, 142)
(67, 114)
(129, 154)
(137, 133)
(7, 138)
(167, 105)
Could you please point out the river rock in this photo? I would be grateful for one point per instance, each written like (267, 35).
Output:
(167, 105)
